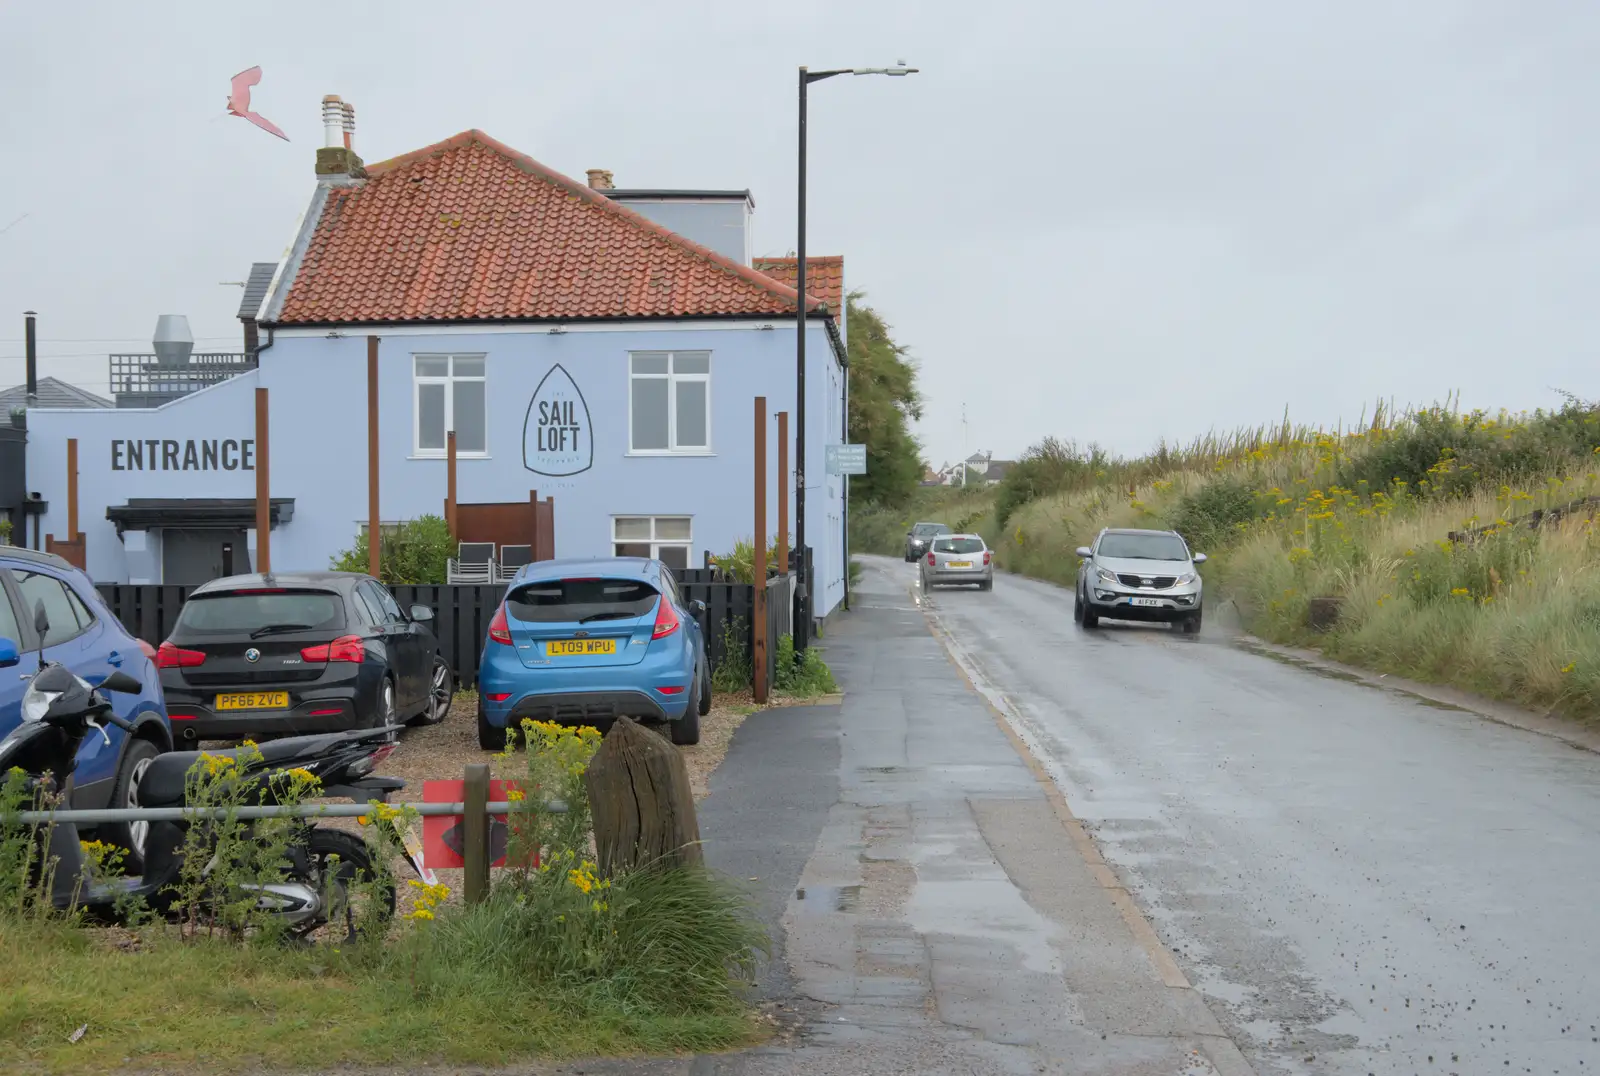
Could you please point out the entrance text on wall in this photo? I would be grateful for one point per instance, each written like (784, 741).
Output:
(191, 455)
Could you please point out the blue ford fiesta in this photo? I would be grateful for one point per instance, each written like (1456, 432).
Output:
(583, 642)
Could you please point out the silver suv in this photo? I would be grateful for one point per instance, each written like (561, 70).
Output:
(1139, 575)
(958, 559)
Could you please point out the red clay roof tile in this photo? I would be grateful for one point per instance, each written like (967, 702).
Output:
(470, 229)
(824, 277)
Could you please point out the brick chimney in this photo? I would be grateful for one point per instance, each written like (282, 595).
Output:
(337, 162)
(600, 180)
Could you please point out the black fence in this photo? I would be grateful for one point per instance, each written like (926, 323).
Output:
(462, 613)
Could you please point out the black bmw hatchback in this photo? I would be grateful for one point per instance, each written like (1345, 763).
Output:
(282, 654)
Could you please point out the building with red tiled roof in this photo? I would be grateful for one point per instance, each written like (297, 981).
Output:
(603, 346)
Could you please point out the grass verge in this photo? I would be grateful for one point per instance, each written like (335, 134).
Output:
(160, 1003)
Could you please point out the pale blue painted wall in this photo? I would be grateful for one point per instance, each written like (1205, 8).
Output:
(318, 444)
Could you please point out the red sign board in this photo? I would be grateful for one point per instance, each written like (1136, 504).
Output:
(442, 835)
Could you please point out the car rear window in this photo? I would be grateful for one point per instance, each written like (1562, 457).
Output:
(564, 601)
(922, 530)
(958, 545)
(1144, 547)
(245, 611)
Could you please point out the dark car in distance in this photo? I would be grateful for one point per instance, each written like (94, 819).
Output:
(303, 652)
(920, 536)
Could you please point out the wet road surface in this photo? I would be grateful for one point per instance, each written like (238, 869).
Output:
(1356, 881)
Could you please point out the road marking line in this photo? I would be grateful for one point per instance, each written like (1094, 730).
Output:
(1223, 1052)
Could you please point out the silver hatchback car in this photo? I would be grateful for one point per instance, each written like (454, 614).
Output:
(956, 559)
(1139, 575)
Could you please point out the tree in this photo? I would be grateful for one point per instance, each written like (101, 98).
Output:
(883, 402)
(415, 552)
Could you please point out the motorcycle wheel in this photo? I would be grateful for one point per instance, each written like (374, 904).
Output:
(356, 899)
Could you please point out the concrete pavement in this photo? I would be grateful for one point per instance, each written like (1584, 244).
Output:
(935, 911)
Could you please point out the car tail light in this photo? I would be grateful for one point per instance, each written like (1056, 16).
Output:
(325, 713)
(169, 656)
(501, 696)
(666, 619)
(344, 648)
(986, 556)
(499, 630)
(930, 560)
(670, 690)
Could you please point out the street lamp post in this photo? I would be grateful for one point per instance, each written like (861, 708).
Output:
(802, 604)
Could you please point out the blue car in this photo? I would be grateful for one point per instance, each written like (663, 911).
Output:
(583, 642)
(86, 637)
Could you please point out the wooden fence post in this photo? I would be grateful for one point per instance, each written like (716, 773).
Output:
(263, 563)
(450, 485)
(758, 633)
(475, 833)
(641, 802)
(374, 529)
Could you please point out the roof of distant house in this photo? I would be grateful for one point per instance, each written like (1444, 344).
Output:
(824, 277)
(52, 392)
(255, 288)
(469, 229)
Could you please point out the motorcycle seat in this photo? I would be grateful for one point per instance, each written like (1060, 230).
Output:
(164, 781)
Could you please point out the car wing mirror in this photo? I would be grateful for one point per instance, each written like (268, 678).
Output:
(422, 614)
(697, 607)
(10, 653)
(1199, 558)
(1084, 552)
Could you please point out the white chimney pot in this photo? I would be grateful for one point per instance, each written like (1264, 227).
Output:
(333, 121)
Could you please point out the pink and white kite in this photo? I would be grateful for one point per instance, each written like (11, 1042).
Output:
(239, 101)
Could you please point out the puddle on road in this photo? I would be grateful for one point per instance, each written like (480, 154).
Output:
(826, 899)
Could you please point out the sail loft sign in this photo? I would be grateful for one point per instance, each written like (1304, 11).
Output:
(191, 455)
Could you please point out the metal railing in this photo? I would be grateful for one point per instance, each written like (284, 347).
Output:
(146, 374)
(108, 815)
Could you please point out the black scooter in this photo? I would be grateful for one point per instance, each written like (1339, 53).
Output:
(59, 709)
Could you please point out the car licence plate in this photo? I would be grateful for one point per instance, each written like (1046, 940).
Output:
(958, 564)
(254, 700)
(1146, 601)
(579, 648)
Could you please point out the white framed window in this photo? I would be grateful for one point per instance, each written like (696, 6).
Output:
(664, 538)
(449, 392)
(669, 403)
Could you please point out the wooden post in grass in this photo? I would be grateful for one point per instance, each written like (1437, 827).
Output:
(641, 802)
(783, 493)
(374, 531)
(758, 629)
(475, 833)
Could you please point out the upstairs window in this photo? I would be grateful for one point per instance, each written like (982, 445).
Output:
(449, 393)
(669, 402)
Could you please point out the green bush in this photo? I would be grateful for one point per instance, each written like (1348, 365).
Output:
(1213, 515)
(804, 676)
(416, 552)
(732, 674)
(741, 563)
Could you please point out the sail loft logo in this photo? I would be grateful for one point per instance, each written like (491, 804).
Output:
(557, 437)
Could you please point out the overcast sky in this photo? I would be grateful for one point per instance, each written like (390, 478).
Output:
(1111, 222)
